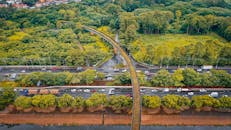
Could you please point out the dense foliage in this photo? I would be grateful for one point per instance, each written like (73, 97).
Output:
(44, 101)
(7, 96)
(96, 99)
(61, 78)
(23, 102)
(189, 77)
(34, 36)
(122, 102)
(151, 101)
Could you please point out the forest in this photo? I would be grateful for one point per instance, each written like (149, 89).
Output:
(53, 35)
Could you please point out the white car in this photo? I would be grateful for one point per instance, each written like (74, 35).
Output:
(179, 89)
(103, 90)
(23, 71)
(142, 90)
(116, 70)
(154, 90)
(86, 90)
(166, 90)
(73, 90)
(203, 90)
(214, 94)
(124, 70)
(190, 93)
(111, 91)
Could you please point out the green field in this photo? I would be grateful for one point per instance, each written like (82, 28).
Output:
(153, 48)
(174, 40)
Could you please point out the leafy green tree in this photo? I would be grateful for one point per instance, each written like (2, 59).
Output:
(221, 78)
(162, 78)
(225, 102)
(87, 76)
(44, 101)
(123, 79)
(203, 101)
(119, 102)
(191, 77)
(171, 101)
(178, 78)
(7, 96)
(23, 102)
(65, 100)
(78, 102)
(151, 101)
(96, 99)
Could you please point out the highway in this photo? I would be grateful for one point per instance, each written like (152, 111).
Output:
(86, 91)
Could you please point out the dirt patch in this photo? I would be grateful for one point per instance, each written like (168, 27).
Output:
(112, 119)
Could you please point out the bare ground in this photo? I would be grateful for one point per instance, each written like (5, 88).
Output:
(111, 119)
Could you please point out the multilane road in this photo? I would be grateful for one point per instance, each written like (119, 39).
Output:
(136, 110)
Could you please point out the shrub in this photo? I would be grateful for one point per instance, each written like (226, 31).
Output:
(203, 101)
(96, 99)
(118, 102)
(171, 101)
(151, 101)
(65, 101)
(7, 96)
(23, 102)
(78, 102)
(224, 102)
(44, 101)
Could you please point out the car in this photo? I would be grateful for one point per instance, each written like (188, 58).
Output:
(86, 90)
(111, 91)
(166, 90)
(73, 90)
(154, 90)
(142, 90)
(102, 90)
(190, 93)
(109, 78)
(13, 76)
(203, 90)
(79, 90)
(124, 70)
(214, 94)
(43, 69)
(185, 89)
(116, 70)
(179, 89)
(199, 70)
(146, 72)
(23, 71)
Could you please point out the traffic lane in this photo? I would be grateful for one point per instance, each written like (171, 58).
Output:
(87, 92)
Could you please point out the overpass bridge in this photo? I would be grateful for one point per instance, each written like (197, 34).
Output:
(136, 109)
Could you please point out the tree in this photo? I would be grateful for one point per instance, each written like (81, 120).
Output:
(7, 96)
(23, 102)
(65, 100)
(203, 101)
(96, 100)
(151, 101)
(44, 101)
(78, 102)
(178, 78)
(191, 77)
(119, 102)
(162, 78)
(220, 78)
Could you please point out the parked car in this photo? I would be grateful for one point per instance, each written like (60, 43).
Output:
(86, 90)
(190, 93)
(111, 91)
(203, 90)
